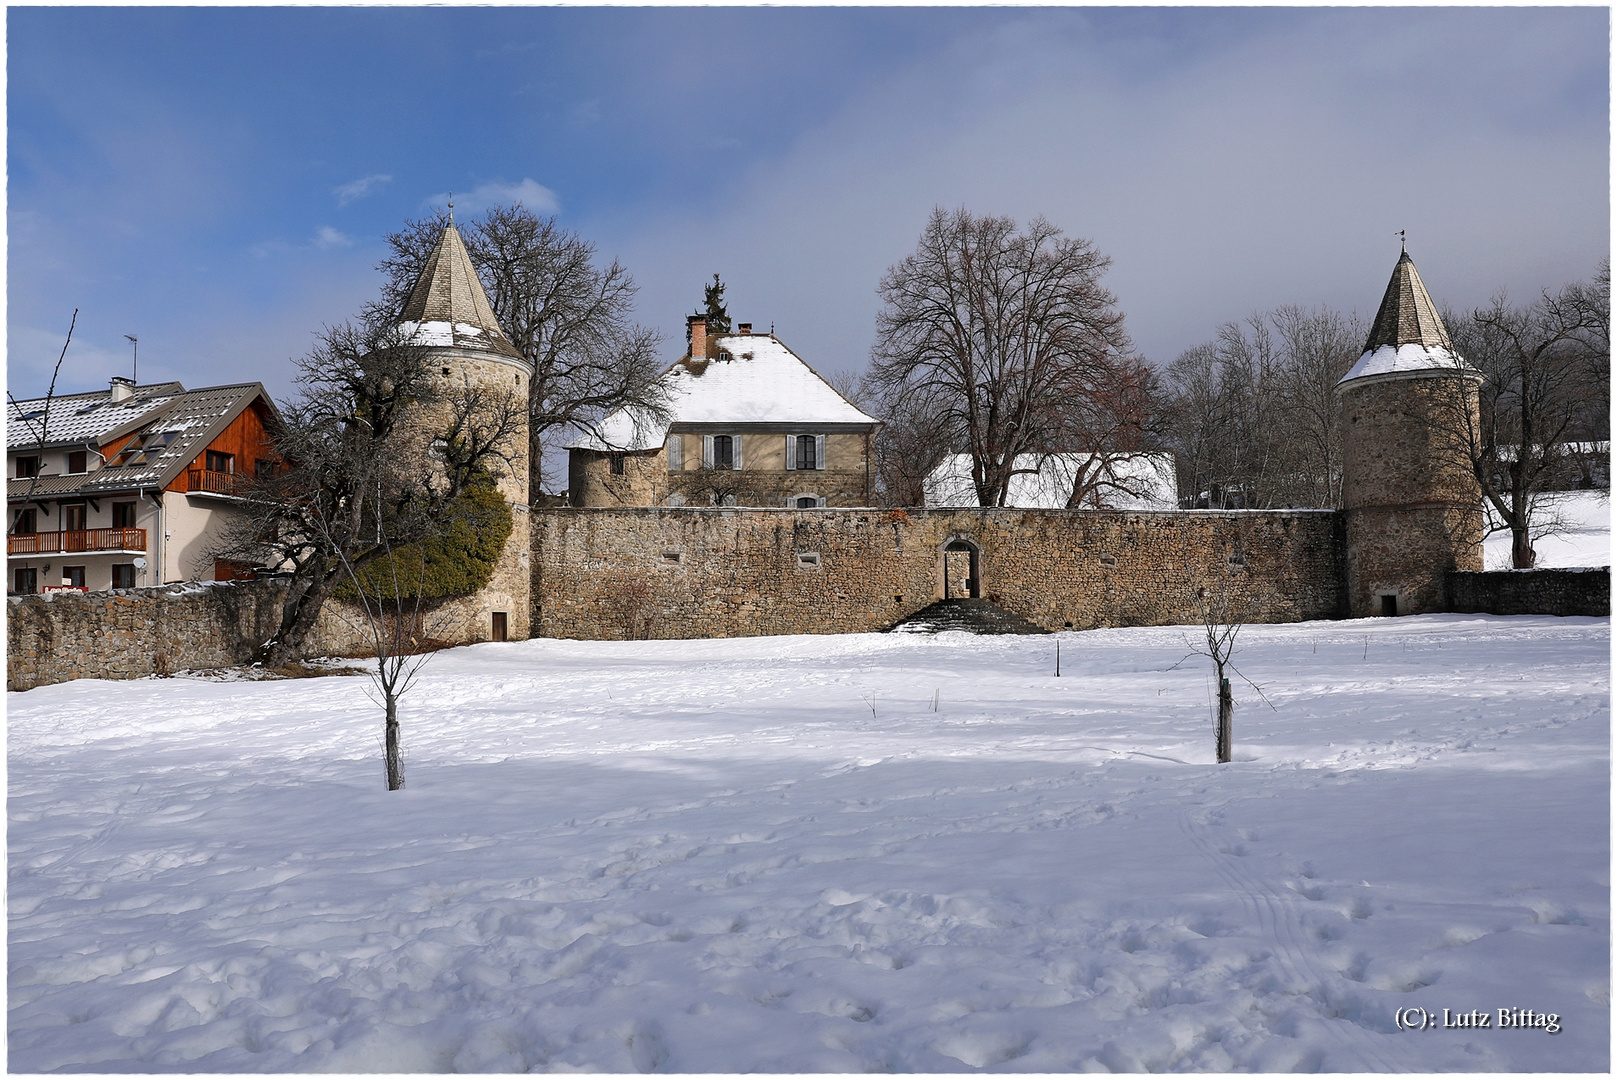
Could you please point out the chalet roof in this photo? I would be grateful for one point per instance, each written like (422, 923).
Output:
(448, 306)
(1408, 337)
(77, 419)
(755, 379)
(173, 432)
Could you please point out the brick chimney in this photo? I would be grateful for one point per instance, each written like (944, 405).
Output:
(744, 328)
(696, 329)
(122, 389)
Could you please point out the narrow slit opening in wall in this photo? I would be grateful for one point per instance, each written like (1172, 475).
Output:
(674, 557)
(808, 558)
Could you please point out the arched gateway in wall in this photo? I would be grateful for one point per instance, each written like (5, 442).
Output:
(959, 569)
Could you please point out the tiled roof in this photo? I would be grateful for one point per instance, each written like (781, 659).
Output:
(761, 382)
(448, 306)
(76, 419)
(1408, 337)
(174, 430)
(176, 436)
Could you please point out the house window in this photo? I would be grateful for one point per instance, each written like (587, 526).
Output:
(73, 517)
(123, 575)
(807, 502)
(123, 515)
(25, 521)
(28, 466)
(806, 458)
(615, 461)
(25, 580)
(221, 462)
(73, 576)
(78, 461)
(723, 452)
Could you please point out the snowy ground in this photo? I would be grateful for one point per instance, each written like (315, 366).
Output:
(772, 854)
(1583, 537)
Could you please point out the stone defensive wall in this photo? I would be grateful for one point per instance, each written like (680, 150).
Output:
(664, 572)
(1581, 591)
(132, 633)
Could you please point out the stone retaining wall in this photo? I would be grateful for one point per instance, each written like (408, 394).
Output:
(660, 572)
(1532, 592)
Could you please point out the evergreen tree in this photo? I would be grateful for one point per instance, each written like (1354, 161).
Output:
(718, 316)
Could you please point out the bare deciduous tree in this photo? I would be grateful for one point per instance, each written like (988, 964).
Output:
(1255, 422)
(372, 454)
(1542, 365)
(1000, 334)
(569, 317)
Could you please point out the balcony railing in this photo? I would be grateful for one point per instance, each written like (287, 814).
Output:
(72, 540)
(220, 483)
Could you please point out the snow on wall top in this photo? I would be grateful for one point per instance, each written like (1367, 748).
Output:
(756, 379)
(1135, 482)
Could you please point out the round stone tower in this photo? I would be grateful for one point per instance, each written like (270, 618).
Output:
(1409, 411)
(449, 314)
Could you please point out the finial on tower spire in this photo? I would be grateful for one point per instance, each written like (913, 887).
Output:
(1402, 244)
(451, 208)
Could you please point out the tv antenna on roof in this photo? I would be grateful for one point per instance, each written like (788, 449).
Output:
(135, 377)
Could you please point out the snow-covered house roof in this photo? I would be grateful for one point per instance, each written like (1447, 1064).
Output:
(1143, 481)
(448, 306)
(751, 379)
(170, 431)
(1408, 338)
(77, 419)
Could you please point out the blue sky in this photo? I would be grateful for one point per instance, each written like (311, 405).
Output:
(217, 181)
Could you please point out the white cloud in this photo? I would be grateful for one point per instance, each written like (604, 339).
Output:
(530, 193)
(1269, 171)
(326, 237)
(358, 189)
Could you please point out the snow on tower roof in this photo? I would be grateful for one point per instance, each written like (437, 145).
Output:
(1408, 338)
(755, 379)
(448, 306)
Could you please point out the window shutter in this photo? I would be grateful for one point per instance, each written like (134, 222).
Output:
(676, 453)
(791, 451)
(707, 451)
(819, 451)
(821, 500)
(735, 444)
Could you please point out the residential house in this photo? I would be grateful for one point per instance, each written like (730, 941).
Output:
(128, 486)
(751, 425)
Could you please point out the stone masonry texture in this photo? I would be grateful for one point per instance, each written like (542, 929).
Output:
(1532, 592)
(660, 572)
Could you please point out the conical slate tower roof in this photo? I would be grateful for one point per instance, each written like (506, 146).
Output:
(1408, 338)
(448, 305)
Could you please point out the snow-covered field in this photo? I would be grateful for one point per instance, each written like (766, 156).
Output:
(1583, 537)
(774, 854)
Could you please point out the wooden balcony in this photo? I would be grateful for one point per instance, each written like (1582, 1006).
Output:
(75, 540)
(218, 483)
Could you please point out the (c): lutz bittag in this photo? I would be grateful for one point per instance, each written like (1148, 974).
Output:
(1416, 1018)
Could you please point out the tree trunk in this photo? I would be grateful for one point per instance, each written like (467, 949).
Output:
(1522, 554)
(395, 767)
(297, 619)
(1226, 720)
